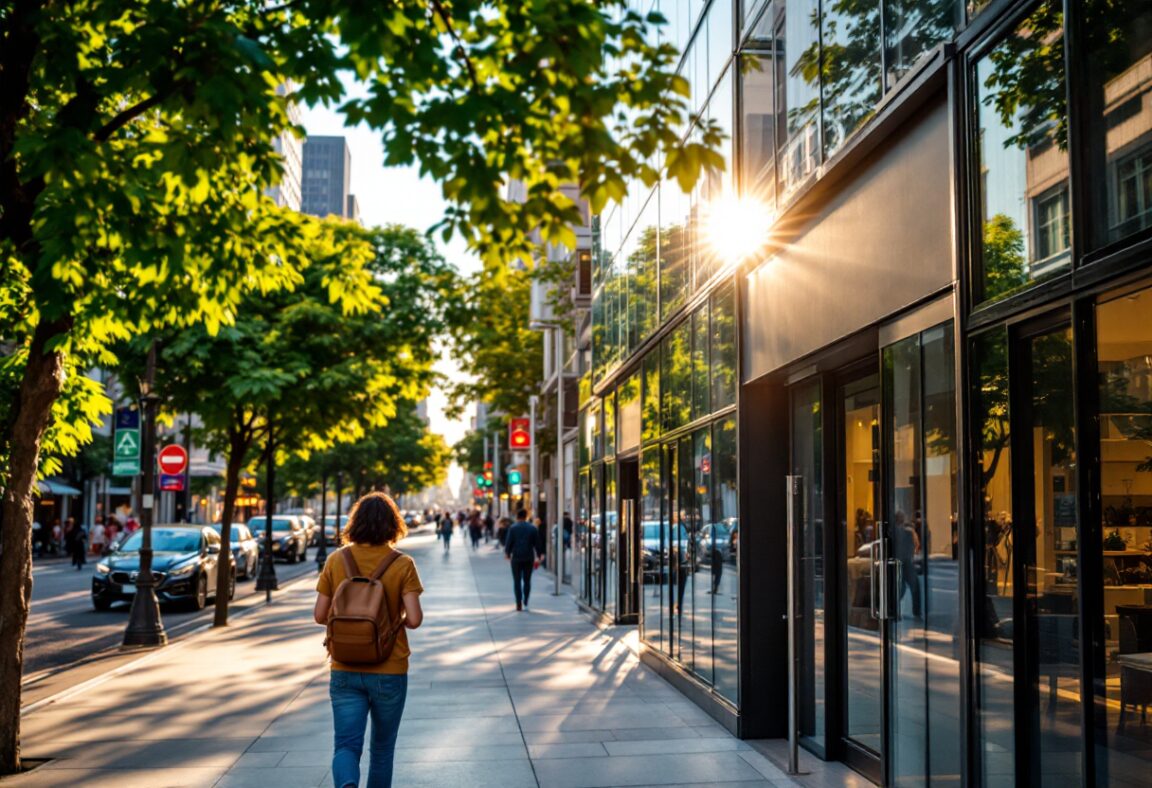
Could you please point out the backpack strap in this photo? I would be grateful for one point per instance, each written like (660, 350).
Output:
(350, 567)
(387, 561)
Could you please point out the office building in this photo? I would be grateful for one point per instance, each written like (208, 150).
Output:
(327, 177)
(927, 397)
(290, 147)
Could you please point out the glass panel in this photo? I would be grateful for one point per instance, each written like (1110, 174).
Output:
(682, 558)
(723, 361)
(1052, 592)
(583, 540)
(715, 186)
(851, 71)
(672, 539)
(609, 403)
(1117, 40)
(628, 415)
(921, 477)
(994, 613)
(702, 531)
(701, 373)
(724, 567)
(676, 361)
(642, 265)
(913, 28)
(758, 127)
(596, 551)
(1124, 351)
(594, 427)
(651, 547)
(650, 411)
(675, 247)
(859, 503)
(719, 37)
(611, 540)
(1023, 183)
(808, 465)
(798, 107)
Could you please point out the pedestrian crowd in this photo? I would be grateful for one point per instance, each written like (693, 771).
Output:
(77, 542)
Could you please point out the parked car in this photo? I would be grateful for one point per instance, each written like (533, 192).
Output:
(289, 539)
(310, 528)
(718, 536)
(245, 550)
(332, 529)
(185, 563)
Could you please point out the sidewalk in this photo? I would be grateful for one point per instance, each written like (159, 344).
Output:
(496, 698)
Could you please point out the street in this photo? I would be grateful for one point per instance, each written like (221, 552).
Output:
(63, 627)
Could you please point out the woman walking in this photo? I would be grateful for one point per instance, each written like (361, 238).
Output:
(377, 689)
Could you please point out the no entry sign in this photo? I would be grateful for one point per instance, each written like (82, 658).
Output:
(173, 459)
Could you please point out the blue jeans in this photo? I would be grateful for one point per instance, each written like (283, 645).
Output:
(355, 695)
(522, 579)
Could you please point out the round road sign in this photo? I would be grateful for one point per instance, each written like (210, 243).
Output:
(173, 459)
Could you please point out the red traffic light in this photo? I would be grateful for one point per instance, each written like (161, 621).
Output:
(519, 434)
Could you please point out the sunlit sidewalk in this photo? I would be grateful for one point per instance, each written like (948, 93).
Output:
(496, 698)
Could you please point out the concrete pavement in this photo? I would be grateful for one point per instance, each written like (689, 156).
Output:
(496, 698)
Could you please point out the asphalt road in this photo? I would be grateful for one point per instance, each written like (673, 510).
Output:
(63, 627)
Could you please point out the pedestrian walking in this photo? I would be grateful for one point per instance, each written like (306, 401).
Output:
(57, 545)
(446, 534)
(502, 529)
(377, 688)
(475, 529)
(99, 537)
(489, 527)
(522, 548)
(74, 543)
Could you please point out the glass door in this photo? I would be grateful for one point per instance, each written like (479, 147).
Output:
(861, 637)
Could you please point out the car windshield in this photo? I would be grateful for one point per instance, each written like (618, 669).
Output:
(165, 540)
(237, 532)
(279, 524)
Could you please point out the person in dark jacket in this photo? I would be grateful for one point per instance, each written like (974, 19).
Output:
(522, 547)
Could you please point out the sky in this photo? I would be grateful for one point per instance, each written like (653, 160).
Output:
(390, 195)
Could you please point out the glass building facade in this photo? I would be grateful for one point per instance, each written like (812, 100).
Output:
(936, 379)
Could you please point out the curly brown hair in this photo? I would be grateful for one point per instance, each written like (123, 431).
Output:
(375, 520)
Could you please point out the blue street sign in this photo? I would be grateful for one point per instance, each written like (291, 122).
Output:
(127, 419)
(173, 482)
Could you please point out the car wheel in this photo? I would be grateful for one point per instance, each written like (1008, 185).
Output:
(232, 587)
(291, 559)
(201, 597)
(101, 604)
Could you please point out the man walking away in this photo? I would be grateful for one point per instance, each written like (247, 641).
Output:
(522, 547)
(475, 527)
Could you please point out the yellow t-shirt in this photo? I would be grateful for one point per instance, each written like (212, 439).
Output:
(401, 578)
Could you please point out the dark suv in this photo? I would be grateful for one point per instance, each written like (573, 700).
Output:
(289, 537)
(185, 562)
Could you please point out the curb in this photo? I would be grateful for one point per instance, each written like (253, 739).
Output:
(148, 654)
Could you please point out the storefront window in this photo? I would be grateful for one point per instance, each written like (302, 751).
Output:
(723, 566)
(1124, 355)
(701, 534)
(611, 535)
(1023, 176)
(994, 614)
(652, 557)
(1117, 41)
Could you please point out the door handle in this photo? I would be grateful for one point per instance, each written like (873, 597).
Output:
(873, 578)
(892, 582)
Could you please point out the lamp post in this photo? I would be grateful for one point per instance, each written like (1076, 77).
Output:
(558, 505)
(339, 487)
(322, 547)
(145, 627)
(266, 580)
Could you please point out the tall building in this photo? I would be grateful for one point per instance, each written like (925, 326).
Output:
(926, 396)
(327, 175)
(290, 147)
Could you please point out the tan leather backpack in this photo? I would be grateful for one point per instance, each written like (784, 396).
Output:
(361, 629)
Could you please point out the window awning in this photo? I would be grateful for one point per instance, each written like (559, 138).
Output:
(57, 487)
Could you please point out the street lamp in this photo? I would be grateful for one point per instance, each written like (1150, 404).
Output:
(145, 627)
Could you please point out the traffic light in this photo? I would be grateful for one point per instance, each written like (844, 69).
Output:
(519, 434)
(480, 480)
(487, 478)
(513, 476)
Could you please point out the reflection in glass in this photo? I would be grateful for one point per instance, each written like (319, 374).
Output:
(676, 376)
(651, 547)
(700, 529)
(1023, 159)
(723, 547)
(912, 28)
(701, 372)
(859, 504)
(758, 127)
(799, 111)
(808, 467)
(850, 73)
(650, 397)
(596, 540)
(994, 614)
(1124, 353)
(582, 538)
(628, 413)
(611, 533)
(1117, 39)
(723, 355)
(609, 404)
(924, 705)
(642, 275)
(1049, 549)
(675, 247)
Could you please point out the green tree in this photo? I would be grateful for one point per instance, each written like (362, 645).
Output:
(136, 139)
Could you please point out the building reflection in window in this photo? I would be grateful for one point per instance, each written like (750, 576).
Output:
(1124, 352)
(1023, 159)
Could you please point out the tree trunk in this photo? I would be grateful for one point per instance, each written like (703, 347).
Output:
(39, 389)
(236, 453)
